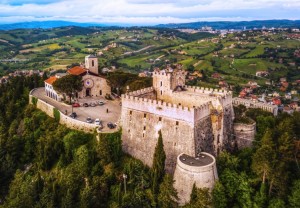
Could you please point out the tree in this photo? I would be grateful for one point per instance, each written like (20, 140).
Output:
(158, 166)
(264, 157)
(219, 196)
(167, 193)
(294, 198)
(200, 198)
(69, 84)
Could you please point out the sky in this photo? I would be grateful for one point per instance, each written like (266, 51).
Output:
(147, 12)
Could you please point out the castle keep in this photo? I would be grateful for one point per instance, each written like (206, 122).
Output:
(191, 119)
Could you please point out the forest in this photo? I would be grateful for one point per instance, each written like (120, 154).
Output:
(44, 164)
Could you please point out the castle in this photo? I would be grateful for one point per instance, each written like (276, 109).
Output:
(191, 119)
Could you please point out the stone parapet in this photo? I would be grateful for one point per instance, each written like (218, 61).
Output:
(252, 104)
(170, 110)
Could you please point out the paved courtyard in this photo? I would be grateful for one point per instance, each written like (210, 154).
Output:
(113, 107)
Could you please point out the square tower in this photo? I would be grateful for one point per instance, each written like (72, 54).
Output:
(91, 63)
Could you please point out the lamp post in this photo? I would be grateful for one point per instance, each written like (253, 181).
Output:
(124, 177)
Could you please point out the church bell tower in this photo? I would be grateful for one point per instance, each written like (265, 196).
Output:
(91, 63)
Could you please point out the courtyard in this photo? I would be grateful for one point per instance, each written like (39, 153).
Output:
(110, 111)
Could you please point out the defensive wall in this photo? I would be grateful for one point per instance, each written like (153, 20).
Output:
(251, 104)
(64, 119)
(244, 134)
(164, 109)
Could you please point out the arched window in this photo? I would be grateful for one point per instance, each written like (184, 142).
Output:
(93, 63)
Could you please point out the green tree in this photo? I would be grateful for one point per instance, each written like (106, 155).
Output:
(264, 157)
(167, 193)
(219, 196)
(69, 84)
(294, 198)
(200, 198)
(158, 166)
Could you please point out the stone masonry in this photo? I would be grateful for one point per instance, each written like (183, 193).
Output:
(191, 119)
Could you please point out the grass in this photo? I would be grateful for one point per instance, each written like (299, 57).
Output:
(251, 66)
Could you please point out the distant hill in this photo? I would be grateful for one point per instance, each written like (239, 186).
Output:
(236, 25)
(45, 25)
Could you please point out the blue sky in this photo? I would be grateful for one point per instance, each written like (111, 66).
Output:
(147, 12)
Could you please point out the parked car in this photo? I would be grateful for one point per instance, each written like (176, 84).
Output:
(97, 121)
(89, 120)
(85, 105)
(111, 125)
(101, 103)
(75, 105)
(92, 104)
(73, 115)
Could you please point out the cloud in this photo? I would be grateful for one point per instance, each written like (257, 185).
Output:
(147, 11)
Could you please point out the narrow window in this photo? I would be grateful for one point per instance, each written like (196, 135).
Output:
(144, 128)
(161, 92)
(130, 112)
(100, 92)
(145, 115)
(177, 123)
(93, 63)
(161, 84)
(143, 135)
(159, 118)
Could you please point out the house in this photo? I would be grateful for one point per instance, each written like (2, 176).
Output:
(294, 105)
(288, 110)
(216, 76)
(262, 73)
(195, 75)
(288, 96)
(276, 101)
(294, 92)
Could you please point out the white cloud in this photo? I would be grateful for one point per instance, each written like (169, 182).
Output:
(148, 11)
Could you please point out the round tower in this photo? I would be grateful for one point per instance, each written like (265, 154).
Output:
(91, 63)
(200, 170)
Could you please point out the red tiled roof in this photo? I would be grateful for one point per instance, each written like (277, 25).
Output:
(51, 80)
(77, 70)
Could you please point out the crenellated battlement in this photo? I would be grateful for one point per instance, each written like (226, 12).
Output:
(210, 91)
(141, 92)
(162, 108)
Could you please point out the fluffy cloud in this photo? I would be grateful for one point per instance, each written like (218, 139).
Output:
(147, 11)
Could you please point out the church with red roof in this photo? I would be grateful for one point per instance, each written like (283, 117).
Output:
(94, 85)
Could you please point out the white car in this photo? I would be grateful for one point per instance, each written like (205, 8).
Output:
(98, 121)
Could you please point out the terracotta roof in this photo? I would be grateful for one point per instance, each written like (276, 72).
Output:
(51, 80)
(77, 70)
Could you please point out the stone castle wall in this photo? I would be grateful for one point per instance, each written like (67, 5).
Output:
(244, 134)
(64, 119)
(140, 135)
(165, 109)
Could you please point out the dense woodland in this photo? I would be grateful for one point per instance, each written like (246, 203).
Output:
(44, 164)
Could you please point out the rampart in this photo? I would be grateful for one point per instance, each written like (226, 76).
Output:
(64, 119)
(251, 104)
(164, 109)
(244, 134)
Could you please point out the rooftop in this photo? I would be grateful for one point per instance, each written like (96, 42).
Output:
(77, 70)
(201, 160)
(51, 80)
